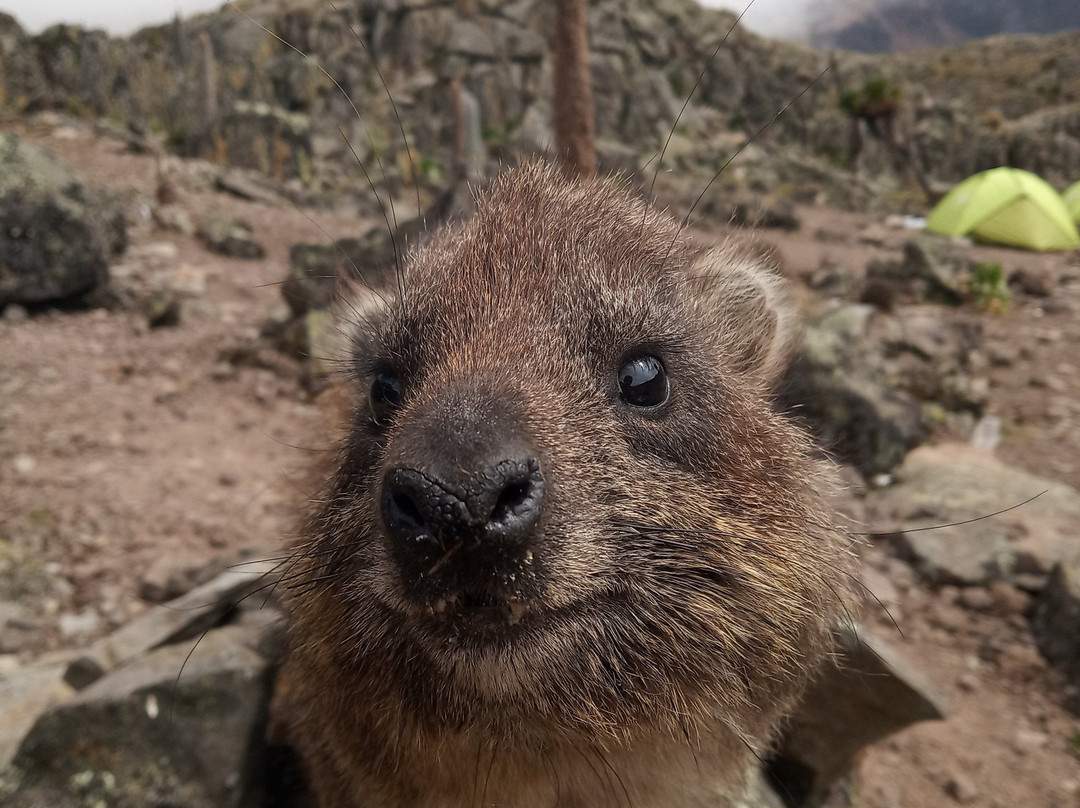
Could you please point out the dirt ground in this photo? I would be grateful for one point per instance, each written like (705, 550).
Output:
(125, 451)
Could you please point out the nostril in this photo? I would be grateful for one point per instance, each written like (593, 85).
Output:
(511, 498)
(405, 511)
(518, 503)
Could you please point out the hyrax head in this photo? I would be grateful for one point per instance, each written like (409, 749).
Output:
(564, 500)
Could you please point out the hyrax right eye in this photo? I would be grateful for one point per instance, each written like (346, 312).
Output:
(385, 397)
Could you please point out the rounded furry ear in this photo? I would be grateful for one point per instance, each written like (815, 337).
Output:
(751, 311)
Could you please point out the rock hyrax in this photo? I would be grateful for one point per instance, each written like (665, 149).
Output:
(569, 556)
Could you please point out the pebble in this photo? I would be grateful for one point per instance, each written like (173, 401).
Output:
(24, 465)
(968, 682)
(1027, 740)
(976, 598)
(1008, 600)
(14, 313)
(73, 625)
(961, 789)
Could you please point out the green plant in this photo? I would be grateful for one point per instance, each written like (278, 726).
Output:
(878, 97)
(988, 287)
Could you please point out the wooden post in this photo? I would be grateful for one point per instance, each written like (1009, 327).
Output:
(575, 126)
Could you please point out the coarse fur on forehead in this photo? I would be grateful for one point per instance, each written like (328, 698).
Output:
(547, 259)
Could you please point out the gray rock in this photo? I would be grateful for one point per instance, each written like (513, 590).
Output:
(162, 308)
(167, 579)
(315, 272)
(185, 617)
(1056, 623)
(181, 726)
(24, 694)
(468, 38)
(932, 271)
(267, 138)
(56, 234)
(836, 385)
(868, 693)
(231, 237)
(956, 483)
(1037, 281)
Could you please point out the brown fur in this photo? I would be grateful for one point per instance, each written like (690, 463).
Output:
(685, 573)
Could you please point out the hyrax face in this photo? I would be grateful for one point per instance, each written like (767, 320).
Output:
(565, 508)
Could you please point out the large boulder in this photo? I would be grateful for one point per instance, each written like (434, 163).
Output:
(56, 234)
(182, 726)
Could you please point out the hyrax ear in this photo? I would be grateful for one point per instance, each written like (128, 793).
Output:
(750, 311)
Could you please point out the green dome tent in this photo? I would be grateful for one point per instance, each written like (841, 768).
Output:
(1072, 200)
(1006, 206)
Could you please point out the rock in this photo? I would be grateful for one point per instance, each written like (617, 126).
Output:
(961, 789)
(20, 627)
(976, 598)
(256, 135)
(176, 218)
(75, 625)
(184, 617)
(184, 724)
(231, 237)
(249, 185)
(162, 309)
(24, 694)
(1036, 281)
(1008, 600)
(869, 693)
(932, 271)
(780, 216)
(56, 234)
(957, 483)
(14, 313)
(987, 434)
(315, 271)
(1056, 622)
(836, 385)
(167, 579)
(469, 39)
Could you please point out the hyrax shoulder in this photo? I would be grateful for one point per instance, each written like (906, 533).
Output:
(569, 555)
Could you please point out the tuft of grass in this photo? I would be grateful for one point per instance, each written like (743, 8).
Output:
(988, 287)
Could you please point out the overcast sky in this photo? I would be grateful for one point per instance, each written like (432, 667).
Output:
(124, 16)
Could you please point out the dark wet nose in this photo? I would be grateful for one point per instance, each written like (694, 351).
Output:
(496, 508)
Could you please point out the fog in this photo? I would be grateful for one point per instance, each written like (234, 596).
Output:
(774, 17)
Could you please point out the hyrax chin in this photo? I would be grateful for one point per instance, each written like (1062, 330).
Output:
(569, 556)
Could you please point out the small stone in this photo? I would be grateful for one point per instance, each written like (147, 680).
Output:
(1034, 281)
(14, 313)
(987, 433)
(968, 682)
(222, 371)
(74, 625)
(1008, 600)
(24, 465)
(961, 789)
(1027, 740)
(976, 598)
(163, 309)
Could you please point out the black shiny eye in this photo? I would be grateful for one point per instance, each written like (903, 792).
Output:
(385, 397)
(643, 382)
